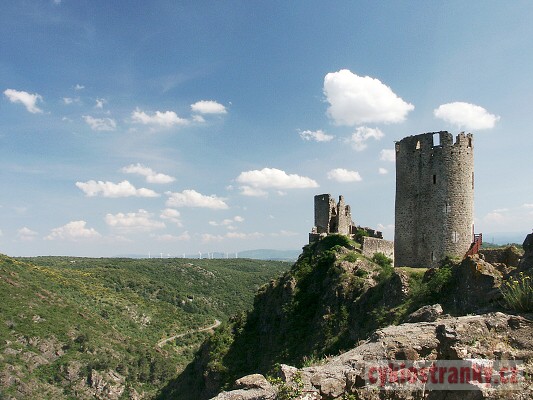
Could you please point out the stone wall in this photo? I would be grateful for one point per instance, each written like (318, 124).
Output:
(509, 256)
(372, 246)
(434, 210)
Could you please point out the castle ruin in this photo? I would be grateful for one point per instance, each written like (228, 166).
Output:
(434, 210)
(336, 218)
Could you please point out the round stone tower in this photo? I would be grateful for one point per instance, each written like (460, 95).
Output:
(434, 198)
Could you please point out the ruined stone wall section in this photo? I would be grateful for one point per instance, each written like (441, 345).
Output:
(434, 198)
(324, 205)
(344, 217)
(372, 246)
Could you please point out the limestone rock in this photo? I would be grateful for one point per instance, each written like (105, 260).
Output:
(526, 264)
(425, 314)
(476, 286)
(255, 381)
(493, 336)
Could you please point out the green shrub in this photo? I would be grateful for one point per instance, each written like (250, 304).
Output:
(386, 266)
(518, 293)
(331, 241)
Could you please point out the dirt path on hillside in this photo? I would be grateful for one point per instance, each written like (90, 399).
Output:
(162, 342)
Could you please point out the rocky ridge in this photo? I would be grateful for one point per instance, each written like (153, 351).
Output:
(489, 336)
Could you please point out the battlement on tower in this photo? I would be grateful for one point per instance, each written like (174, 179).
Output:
(427, 142)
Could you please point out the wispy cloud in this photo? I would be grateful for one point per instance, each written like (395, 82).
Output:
(71, 100)
(387, 155)
(317, 136)
(26, 234)
(109, 189)
(100, 124)
(150, 175)
(356, 100)
(29, 100)
(362, 134)
(99, 103)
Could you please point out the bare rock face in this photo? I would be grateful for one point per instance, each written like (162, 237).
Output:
(107, 385)
(425, 314)
(477, 285)
(251, 387)
(494, 336)
(526, 264)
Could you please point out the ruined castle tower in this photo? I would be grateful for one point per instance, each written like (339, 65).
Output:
(434, 198)
(331, 217)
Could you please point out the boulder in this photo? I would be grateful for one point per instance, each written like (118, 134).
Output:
(425, 314)
(526, 264)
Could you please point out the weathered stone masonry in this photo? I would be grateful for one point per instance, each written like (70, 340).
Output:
(434, 198)
(336, 218)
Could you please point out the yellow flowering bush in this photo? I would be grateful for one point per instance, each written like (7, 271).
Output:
(518, 293)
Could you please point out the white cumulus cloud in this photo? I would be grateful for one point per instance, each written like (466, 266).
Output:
(94, 188)
(74, 230)
(387, 155)
(134, 221)
(171, 215)
(29, 100)
(466, 115)
(362, 134)
(358, 100)
(150, 175)
(100, 124)
(208, 107)
(383, 171)
(343, 175)
(317, 136)
(191, 198)
(273, 178)
(159, 118)
(26, 234)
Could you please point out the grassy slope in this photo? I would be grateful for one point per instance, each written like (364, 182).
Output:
(63, 314)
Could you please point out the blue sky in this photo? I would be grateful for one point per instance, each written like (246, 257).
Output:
(130, 127)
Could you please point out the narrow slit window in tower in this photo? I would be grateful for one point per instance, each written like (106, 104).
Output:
(472, 180)
(418, 144)
(434, 179)
(436, 139)
(469, 142)
(455, 236)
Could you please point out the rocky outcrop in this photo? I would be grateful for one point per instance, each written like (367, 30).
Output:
(475, 287)
(425, 314)
(493, 336)
(526, 264)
